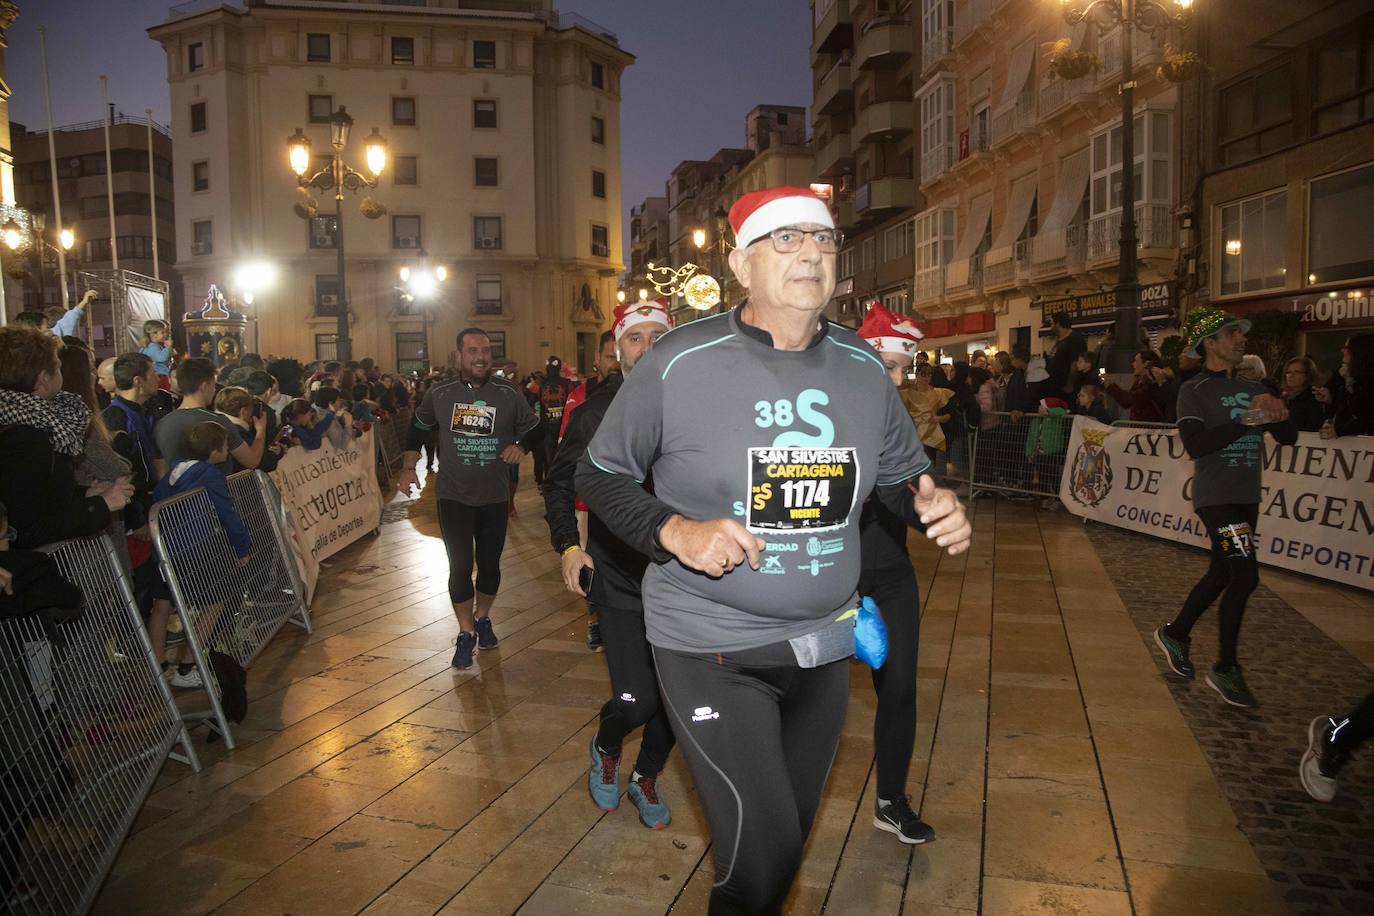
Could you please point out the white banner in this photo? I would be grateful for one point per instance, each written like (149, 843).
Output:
(1316, 509)
(331, 499)
(144, 305)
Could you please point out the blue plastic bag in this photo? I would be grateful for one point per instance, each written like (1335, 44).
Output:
(870, 635)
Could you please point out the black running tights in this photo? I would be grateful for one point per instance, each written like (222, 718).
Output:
(634, 701)
(893, 589)
(473, 532)
(759, 734)
(1233, 574)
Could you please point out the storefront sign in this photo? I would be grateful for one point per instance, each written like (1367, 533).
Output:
(1344, 309)
(1316, 504)
(331, 500)
(1152, 296)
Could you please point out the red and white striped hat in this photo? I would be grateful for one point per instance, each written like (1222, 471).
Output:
(889, 332)
(760, 212)
(629, 314)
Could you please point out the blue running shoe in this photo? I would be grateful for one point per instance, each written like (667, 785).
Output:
(653, 811)
(486, 636)
(603, 780)
(462, 653)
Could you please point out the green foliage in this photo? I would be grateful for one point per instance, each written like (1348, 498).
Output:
(1273, 335)
(1169, 348)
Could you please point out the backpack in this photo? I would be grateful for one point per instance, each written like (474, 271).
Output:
(233, 686)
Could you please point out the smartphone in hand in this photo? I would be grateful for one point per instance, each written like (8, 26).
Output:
(584, 579)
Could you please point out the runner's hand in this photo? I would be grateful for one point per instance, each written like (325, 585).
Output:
(713, 547)
(6, 582)
(1274, 408)
(512, 454)
(574, 561)
(943, 515)
(408, 479)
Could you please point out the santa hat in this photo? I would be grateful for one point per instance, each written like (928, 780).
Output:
(629, 314)
(760, 212)
(889, 332)
(1052, 403)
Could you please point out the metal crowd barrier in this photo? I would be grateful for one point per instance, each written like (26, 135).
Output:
(1019, 456)
(223, 606)
(86, 724)
(390, 438)
(1143, 424)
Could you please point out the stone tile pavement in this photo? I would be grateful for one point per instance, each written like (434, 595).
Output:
(1063, 773)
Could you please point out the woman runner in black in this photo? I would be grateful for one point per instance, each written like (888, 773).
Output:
(887, 578)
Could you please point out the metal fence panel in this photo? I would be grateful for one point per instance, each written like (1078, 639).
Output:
(86, 723)
(1022, 454)
(274, 593)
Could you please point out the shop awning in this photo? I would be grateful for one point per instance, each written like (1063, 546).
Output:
(1074, 172)
(1018, 211)
(972, 232)
(1018, 71)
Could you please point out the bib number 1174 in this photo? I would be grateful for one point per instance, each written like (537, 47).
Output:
(803, 494)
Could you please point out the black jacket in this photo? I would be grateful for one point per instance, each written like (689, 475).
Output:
(619, 567)
(38, 487)
(1307, 412)
(1019, 396)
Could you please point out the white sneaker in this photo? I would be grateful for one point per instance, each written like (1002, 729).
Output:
(189, 681)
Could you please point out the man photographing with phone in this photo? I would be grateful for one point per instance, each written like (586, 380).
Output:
(608, 572)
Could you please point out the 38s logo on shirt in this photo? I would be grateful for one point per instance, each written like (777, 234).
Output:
(783, 413)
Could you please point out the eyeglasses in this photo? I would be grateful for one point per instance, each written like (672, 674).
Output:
(788, 240)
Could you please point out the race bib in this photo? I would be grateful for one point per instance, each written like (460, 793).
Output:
(801, 489)
(553, 413)
(473, 420)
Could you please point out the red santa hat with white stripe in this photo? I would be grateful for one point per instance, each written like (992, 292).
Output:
(629, 314)
(889, 332)
(760, 212)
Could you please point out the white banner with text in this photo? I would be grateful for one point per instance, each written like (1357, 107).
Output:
(331, 499)
(1316, 512)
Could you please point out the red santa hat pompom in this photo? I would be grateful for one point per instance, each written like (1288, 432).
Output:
(760, 212)
(629, 314)
(889, 332)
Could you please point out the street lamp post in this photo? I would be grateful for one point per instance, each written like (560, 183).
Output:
(338, 176)
(15, 238)
(420, 284)
(1150, 16)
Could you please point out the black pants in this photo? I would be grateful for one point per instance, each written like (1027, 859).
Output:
(893, 589)
(634, 699)
(1355, 729)
(464, 528)
(760, 735)
(1233, 574)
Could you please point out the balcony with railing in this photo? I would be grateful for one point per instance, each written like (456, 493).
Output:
(835, 92)
(964, 278)
(1015, 119)
(998, 275)
(884, 121)
(1057, 94)
(834, 158)
(936, 161)
(883, 41)
(1148, 52)
(929, 285)
(1154, 229)
(1063, 256)
(884, 194)
(935, 47)
(834, 27)
(973, 16)
(1021, 260)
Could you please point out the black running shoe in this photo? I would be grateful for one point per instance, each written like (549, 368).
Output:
(1175, 653)
(897, 817)
(486, 636)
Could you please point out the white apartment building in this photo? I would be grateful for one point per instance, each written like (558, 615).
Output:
(502, 120)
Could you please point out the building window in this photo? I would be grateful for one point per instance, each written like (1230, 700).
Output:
(198, 117)
(1343, 77)
(598, 130)
(195, 56)
(410, 352)
(868, 254)
(936, 105)
(782, 119)
(898, 241)
(486, 172)
(200, 176)
(202, 237)
(1256, 115)
(1153, 163)
(317, 47)
(327, 295)
(321, 107)
(326, 347)
(600, 241)
(406, 171)
(405, 232)
(484, 55)
(934, 249)
(846, 264)
(324, 231)
(488, 294)
(403, 111)
(484, 113)
(486, 232)
(403, 51)
(498, 344)
(1251, 239)
(1340, 238)
(598, 75)
(598, 184)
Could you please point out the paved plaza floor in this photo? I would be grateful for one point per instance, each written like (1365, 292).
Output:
(1063, 771)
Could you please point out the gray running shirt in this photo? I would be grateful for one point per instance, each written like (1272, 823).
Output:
(787, 443)
(1230, 476)
(475, 425)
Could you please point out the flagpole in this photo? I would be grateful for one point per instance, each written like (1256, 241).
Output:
(52, 165)
(109, 170)
(152, 191)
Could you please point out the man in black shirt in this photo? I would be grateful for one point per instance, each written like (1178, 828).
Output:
(1068, 346)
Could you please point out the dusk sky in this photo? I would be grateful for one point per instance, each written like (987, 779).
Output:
(701, 65)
